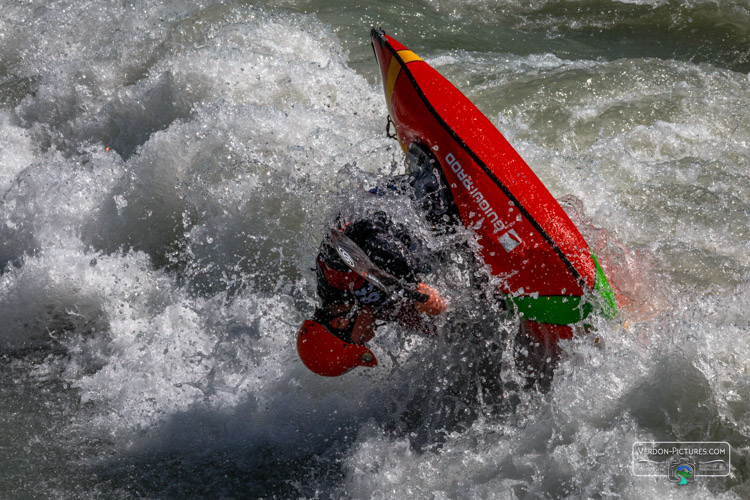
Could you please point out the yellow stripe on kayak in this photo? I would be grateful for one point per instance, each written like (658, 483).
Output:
(408, 56)
(394, 69)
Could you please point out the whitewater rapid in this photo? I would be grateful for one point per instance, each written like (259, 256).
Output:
(167, 170)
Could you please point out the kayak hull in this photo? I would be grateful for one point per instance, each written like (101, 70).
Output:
(525, 236)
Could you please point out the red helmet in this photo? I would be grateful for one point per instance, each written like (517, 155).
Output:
(326, 354)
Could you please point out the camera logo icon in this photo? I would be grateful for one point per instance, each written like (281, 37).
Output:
(681, 470)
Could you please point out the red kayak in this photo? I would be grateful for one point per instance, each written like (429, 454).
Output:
(525, 236)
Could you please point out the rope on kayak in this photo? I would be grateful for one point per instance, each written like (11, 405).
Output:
(388, 129)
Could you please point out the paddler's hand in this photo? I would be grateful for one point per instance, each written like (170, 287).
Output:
(434, 305)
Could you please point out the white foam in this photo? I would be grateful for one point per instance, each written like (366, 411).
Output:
(164, 280)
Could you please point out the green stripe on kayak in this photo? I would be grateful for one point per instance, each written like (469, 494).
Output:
(567, 309)
(608, 306)
(553, 309)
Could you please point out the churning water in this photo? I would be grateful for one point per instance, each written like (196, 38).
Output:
(167, 169)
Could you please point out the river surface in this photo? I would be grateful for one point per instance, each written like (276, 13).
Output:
(167, 169)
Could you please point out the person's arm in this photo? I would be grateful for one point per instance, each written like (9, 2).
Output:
(342, 316)
(364, 326)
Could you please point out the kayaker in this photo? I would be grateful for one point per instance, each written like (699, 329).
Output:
(334, 340)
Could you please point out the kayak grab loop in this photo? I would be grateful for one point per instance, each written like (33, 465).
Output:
(388, 129)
